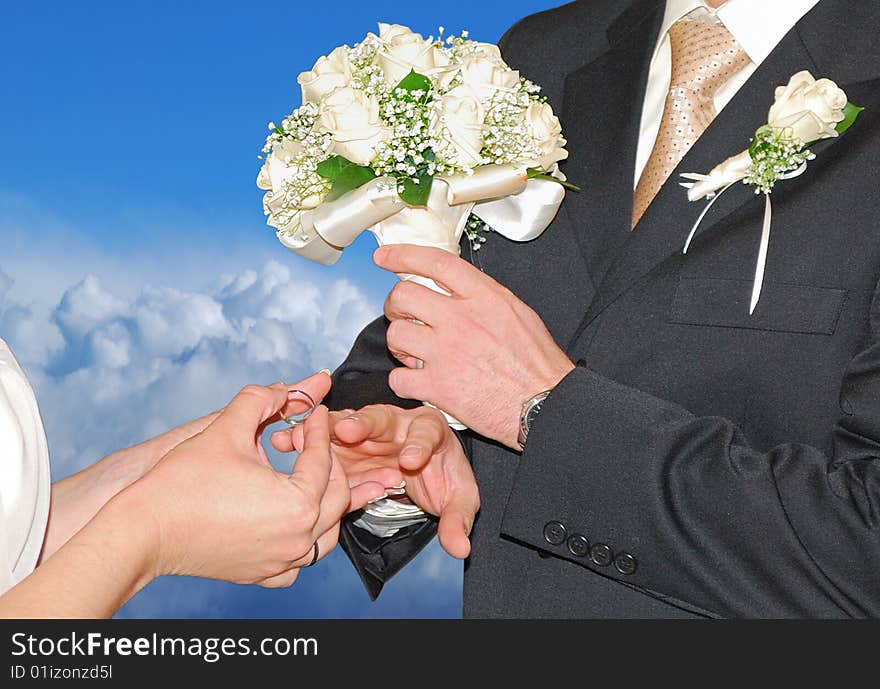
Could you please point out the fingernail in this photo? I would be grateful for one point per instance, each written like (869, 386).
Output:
(381, 497)
(352, 417)
(396, 491)
(412, 451)
(402, 484)
(301, 396)
(325, 370)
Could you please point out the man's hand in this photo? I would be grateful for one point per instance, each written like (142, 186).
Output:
(415, 444)
(484, 351)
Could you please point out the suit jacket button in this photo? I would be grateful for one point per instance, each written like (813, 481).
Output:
(555, 533)
(578, 545)
(601, 555)
(625, 563)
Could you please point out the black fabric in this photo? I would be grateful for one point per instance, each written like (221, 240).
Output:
(788, 308)
(378, 559)
(730, 463)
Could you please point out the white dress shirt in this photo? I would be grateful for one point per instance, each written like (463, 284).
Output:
(24, 474)
(758, 25)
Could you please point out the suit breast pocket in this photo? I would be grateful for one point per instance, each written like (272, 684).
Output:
(716, 302)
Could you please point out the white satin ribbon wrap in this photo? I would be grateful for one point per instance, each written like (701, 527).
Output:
(713, 185)
(731, 170)
(503, 196)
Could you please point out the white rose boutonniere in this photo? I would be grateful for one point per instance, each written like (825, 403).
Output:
(805, 111)
(811, 109)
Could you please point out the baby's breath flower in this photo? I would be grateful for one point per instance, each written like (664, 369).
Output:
(508, 138)
(774, 152)
(410, 151)
(475, 229)
(296, 145)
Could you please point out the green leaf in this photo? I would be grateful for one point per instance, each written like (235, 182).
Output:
(535, 173)
(415, 82)
(332, 166)
(344, 174)
(850, 113)
(416, 193)
(759, 139)
(350, 177)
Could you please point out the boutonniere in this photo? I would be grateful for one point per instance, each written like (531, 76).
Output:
(805, 111)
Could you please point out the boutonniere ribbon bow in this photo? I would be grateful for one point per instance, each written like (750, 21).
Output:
(805, 111)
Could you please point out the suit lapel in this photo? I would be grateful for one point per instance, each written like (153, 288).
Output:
(665, 225)
(602, 128)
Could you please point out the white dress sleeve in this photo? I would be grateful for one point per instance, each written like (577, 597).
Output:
(24, 474)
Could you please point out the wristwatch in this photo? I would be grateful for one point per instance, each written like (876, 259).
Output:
(530, 410)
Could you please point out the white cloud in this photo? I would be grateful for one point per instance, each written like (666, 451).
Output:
(114, 361)
(110, 371)
(86, 306)
(5, 285)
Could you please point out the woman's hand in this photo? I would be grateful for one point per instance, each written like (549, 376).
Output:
(218, 509)
(77, 498)
(212, 507)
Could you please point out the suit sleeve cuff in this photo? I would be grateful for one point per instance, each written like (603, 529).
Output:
(580, 478)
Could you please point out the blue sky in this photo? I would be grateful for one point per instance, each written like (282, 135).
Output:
(135, 269)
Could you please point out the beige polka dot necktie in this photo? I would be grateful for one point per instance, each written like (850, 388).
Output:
(704, 56)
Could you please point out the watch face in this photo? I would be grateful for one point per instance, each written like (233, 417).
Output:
(533, 413)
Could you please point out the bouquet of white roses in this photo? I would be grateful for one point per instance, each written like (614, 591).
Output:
(418, 140)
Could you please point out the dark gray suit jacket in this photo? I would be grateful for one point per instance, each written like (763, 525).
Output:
(699, 460)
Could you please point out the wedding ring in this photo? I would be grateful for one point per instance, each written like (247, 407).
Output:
(302, 398)
(314, 556)
(399, 489)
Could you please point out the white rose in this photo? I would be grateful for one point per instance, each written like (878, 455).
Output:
(264, 180)
(273, 177)
(808, 107)
(389, 32)
(486, 75)
(458, 122)
(352, 119)
(278, 171)
(284, 153)
(402, 51)
(547, 133)
(288, 150)
(487, 51)
(330, 72)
